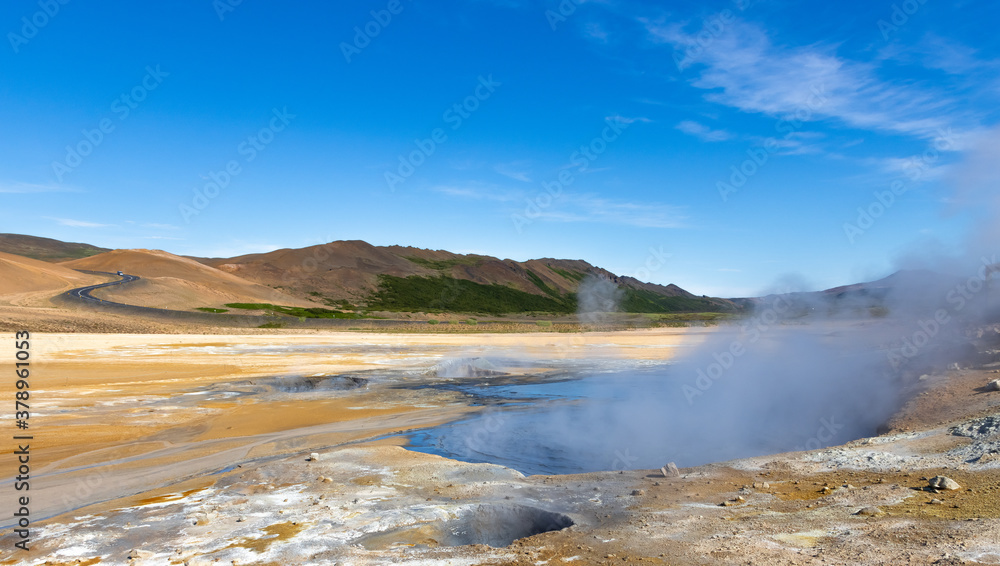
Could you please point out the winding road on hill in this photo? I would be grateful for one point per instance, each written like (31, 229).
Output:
(83, 293)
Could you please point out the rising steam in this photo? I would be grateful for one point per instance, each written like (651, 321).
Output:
(597, 297)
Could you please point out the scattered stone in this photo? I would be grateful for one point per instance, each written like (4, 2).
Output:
(993, 385)
(954, 367)
(314, 457)
(638, 492)
(943, 483)
(936, 502)
(761, 485)
(980, 428)
(670, 471)
(869, 512)
(848, 486)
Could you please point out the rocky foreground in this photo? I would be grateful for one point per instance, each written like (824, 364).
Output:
(925, 492)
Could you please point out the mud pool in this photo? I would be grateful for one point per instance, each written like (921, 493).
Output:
(581, 420)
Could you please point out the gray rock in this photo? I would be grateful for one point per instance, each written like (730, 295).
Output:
(943, 483)
(993, 385)
(670, 471)
(979, 428)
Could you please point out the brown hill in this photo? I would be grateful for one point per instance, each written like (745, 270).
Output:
(351, 270)
(170, 281)
(30, 282)
(46, 249)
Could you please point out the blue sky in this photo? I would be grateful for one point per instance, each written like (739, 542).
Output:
(736, 139)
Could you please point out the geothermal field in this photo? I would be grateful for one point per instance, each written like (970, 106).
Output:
(600, 447)
(500, 282)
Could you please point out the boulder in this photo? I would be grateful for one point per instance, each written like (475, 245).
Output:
(943, 483)
(670, 471)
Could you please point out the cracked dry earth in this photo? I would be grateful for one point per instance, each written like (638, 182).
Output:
(374, 502)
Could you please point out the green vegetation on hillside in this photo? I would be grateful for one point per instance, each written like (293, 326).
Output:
(541, 285)
(212, 310)
(574, 275)
(298, 312)
(448, 294)
(643, 301)
(438, 294)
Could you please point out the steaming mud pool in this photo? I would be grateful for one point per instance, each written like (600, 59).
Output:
(586, 420)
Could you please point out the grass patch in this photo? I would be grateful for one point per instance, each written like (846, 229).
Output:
(574, 275)
(472, 322)
(541, 285)
(544, 323)
(440, 294)
(433, 321)
(298, 312)
(272, 325)
(212, 310)
(642, 301)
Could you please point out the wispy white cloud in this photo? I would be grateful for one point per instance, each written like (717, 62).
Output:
(478, 191)
(743, 69)
(27, 188)
(591, 208)
(703, 132)
(627, 119)
(516, 170)
(78, 223)
(577, 207)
